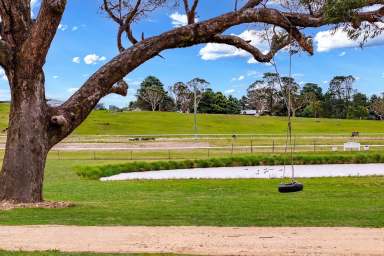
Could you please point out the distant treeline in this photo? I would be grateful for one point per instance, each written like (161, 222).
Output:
(267, 96)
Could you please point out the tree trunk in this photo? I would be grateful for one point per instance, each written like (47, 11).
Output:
(21, 179)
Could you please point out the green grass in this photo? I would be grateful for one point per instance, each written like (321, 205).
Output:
(324, 202)
(125, 123)
(98, 171)
(105, 122)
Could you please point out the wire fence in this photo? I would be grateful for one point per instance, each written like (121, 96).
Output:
(196, 152)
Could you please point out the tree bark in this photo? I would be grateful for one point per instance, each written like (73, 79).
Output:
(21, 179)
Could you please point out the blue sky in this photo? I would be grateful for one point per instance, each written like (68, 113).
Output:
(86, 40)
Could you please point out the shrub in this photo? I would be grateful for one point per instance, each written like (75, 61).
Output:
(98, 171)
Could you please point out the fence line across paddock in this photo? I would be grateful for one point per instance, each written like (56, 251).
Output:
(219, 136)
(188, 153)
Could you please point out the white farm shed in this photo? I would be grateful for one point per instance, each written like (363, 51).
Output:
(351, 145)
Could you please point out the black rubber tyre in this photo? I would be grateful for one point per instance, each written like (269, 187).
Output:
(290, 187)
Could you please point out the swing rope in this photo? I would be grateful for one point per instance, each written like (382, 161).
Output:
(287, 99)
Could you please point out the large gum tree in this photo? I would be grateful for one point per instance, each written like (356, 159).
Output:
(35, 127)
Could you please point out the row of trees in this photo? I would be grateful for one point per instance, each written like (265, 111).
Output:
(267, 96)
(184, 97)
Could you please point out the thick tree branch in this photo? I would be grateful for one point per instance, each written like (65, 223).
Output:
(276, 45)
(35, 48)
(16, 21)
(5, 54)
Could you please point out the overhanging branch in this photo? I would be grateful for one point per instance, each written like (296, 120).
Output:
(36, 47)
(276, 45)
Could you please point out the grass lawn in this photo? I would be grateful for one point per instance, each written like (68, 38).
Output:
(324, 202)
(104, 122)
(125, 123)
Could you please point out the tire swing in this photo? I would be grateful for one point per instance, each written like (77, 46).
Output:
(293, 185)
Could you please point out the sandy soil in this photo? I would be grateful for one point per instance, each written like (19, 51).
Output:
(6, 205)
(196, 240)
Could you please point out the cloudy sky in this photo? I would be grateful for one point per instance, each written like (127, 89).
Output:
(86, 39)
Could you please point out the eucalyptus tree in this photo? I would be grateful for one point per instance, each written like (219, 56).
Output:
(35, 127)
(378, 108)
(341, 92)
(183, 96)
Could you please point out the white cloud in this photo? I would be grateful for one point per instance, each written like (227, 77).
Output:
(238, 78)
(342, 54)
(330, 39)
(179, 20)
(72, 90)
(371, 8)
(76, 60)
(55, 77)
(213, 51)
(74, 28)
(325, 82)
(93, 59)
(34, 4)
(62, 27)
(229, 91)
(382, 75)
(2, 75)
(253, 73)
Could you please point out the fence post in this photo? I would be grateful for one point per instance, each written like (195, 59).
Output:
(94, 155)
(131, 155)
(232, 149)
(169, 154)
(252, 146)
(314, 146)
(273, 146)
(208, 152)
(58, 154)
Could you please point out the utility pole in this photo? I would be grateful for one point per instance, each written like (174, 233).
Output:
(195, 109)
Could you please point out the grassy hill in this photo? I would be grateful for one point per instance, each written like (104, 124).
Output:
(125, 123)
(104, 122)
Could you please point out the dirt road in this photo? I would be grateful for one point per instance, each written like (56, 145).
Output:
(196, 240)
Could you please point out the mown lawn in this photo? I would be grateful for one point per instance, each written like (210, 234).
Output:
(105, 122)
(324, 202)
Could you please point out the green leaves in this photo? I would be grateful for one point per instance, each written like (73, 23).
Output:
(342, 10)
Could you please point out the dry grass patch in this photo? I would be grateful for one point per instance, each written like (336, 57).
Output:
(9, 205)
